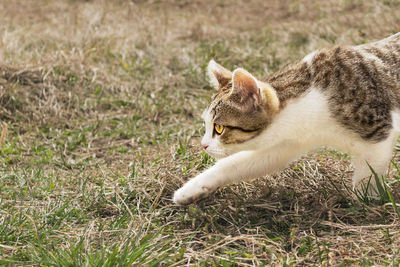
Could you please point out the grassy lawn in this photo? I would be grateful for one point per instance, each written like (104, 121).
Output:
(100, 105)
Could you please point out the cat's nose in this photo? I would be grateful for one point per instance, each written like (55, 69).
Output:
(204, 146)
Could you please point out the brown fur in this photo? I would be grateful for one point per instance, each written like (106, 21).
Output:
(362, 85)
(242, 108)
(292, 81)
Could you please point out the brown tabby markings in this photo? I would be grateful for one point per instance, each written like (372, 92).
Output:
(292, 81)
(362, 85)
(360, 89)
(239, 124)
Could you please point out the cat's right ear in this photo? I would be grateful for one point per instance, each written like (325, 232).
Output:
(218, 75)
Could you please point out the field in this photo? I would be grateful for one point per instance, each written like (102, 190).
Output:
(100, 105)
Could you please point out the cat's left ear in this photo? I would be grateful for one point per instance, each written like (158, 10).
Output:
(245, 86)
(254, 92)
(218, 75)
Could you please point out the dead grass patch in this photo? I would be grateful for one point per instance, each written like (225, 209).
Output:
(102, 101)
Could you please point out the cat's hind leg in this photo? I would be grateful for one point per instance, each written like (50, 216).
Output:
(377, 156)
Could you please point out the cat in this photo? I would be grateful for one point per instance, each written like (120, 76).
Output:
(345, 97)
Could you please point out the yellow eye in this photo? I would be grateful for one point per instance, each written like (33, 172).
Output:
(219, 128)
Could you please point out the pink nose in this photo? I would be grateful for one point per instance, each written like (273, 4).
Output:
(204, 146)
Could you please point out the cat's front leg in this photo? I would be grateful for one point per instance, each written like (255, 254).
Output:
(225, 171)
(197, 188)
(241, 166)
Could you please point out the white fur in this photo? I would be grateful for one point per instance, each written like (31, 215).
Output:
(396, 120)
(303, 125)
(309, 57)
(214, 147)
(213, 67)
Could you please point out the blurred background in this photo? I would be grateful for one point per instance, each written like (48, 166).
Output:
(100, 105)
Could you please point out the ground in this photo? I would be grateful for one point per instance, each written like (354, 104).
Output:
(100, 105)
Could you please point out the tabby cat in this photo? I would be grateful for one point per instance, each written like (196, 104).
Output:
(346, 97)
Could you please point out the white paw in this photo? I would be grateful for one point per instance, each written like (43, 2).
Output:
(190, 192)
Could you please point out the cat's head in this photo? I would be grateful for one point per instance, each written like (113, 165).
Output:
(240, 110)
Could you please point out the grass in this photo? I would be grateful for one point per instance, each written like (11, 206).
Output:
(100, 105)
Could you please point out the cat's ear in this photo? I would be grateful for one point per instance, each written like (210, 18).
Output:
(218, 75)
(269, 96)
(245, 86)
(254, 92)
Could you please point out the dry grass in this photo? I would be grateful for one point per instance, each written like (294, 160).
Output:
(102, 102)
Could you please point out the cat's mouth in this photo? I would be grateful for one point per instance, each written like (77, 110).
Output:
(217, 153)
